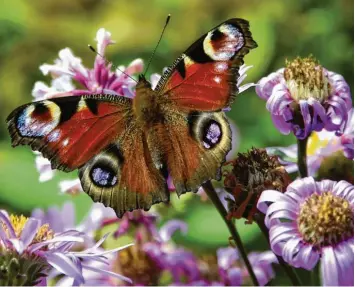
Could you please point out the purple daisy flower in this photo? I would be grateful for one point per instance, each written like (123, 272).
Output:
(31, 243)
(313, 221)
(305, 97)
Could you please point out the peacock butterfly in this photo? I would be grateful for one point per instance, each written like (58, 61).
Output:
(126, 148)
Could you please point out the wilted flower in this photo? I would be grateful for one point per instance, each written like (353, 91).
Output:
(251, 174)
(305, 97)
(313, 221)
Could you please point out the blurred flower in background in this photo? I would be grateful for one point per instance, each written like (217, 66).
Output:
(313, 221)
(305, 97)
(328, 156)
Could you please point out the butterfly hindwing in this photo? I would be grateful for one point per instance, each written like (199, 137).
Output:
(124, 176)
(194, 147)
(205, 76)
(69, 131)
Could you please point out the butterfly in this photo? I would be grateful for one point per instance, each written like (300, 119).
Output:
(125, 149)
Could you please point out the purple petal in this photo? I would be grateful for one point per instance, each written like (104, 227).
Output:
(280, 210)
(64, 265)
(57, 239)
(266, 85)
(280, 234)
(281, 124)
(268, 196)
(226, 257)
(171, 227)
(345, 190)
(29, 231)
(234, 275)
(303, 187)
(109, 273)
(290, 251)
(5, 219)
(307, 119)
(308, 257)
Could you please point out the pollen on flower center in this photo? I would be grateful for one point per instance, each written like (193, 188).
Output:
(305, 79)
(136, 264)
(18, 223)
(325, 219)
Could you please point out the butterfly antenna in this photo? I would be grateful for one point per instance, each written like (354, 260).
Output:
(108, 62)
(161, 36)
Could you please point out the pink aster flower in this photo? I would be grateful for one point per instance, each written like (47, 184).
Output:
(31, 251)
(313, 221)
(305, 97)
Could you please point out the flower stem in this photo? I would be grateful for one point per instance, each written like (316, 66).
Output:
(210, 191)
(302, 157)
(291, 273)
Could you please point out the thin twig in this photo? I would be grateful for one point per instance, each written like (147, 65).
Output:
(210, 191)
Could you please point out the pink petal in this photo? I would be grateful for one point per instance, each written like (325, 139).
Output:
(268, 196)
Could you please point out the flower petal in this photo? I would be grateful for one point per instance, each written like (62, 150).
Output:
(226, 257)
(109, 273)
(64, 265)
(280, 234)
(171, 227)
(29, 231)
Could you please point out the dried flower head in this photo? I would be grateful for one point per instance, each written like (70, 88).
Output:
(252, 173)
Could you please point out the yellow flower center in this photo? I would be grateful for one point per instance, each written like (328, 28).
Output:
(325, 219)
(135, 263)
(305, 79)
(316, 143)
(18, 223)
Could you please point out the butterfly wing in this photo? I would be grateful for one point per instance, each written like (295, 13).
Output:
(124, 176)
(69, 131)
(98, 135)
(194, 147)
(204, 77)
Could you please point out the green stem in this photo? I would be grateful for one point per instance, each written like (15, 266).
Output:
(302, 157)
(210, 191)
(291, 273)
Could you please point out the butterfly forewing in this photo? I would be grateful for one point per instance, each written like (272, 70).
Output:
(204, 77)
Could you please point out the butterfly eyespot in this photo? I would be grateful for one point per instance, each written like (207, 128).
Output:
(212, 134)
(103, 176)
(222, 43)
(38, 120)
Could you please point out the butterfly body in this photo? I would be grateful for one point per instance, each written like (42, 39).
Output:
(125, 149)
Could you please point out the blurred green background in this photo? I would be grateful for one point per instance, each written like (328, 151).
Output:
(32, 33)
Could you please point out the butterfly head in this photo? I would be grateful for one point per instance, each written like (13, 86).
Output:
(143, 83)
